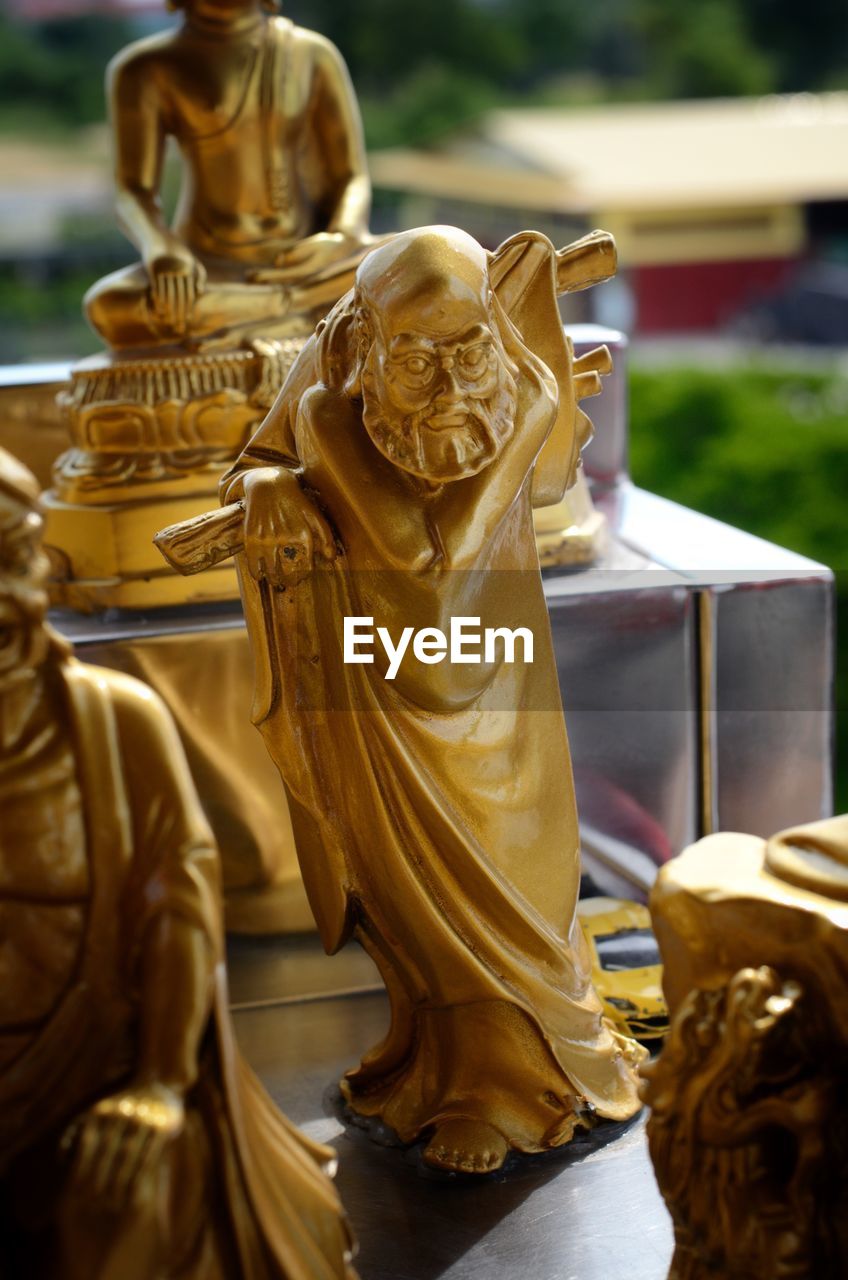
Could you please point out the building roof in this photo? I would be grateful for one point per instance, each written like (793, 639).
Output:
(640, 156)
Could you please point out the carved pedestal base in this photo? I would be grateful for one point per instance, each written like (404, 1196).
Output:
(749, 1130)
(151, 438)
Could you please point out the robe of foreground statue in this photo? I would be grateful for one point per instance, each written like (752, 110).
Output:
(135, 1144)
(434, 814)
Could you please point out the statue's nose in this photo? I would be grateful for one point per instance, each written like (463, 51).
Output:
(448, 390)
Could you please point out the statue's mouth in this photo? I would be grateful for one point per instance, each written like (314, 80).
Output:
(447, 421)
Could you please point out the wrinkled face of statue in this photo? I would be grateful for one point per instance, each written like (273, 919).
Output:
(438, 388)
(23, 598)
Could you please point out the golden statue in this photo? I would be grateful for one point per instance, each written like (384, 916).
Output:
(749, 1120)
(433, 810)
(275, 188)
(271, 222)
(135, 1144)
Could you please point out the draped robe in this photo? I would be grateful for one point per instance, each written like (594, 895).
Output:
(434, 815)
(247, 1194)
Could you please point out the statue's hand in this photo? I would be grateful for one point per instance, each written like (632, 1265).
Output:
(177, 280)
(284, 532)
(121, 1138)
(312, 254)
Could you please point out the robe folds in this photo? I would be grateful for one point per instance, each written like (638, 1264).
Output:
(434, 814)
(248, 1196)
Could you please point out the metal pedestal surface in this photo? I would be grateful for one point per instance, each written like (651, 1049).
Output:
(590, 1212)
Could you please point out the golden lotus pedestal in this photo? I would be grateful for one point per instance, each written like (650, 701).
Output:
(151, 437)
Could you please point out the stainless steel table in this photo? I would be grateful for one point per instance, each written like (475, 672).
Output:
(592, 1212)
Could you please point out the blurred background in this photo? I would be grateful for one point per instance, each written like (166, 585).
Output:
(710, 137)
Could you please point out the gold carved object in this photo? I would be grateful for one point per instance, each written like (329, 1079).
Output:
(434, 816)
(134, 1141)
(270, 225)
(748, 1125)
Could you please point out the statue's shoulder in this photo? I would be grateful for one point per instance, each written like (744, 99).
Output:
(311, 44)
(327, 429)
(321, 409)
(143, 58)
(137, 708)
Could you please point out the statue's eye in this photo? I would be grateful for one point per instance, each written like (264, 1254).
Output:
(417, 366)
(475, 359)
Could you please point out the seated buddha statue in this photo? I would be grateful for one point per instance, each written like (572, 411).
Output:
(275, 195)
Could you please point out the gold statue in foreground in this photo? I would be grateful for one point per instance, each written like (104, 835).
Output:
(271, 223)
(749, 1120)
(433, 812)
(134, 1142)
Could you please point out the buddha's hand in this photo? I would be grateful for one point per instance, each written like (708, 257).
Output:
(312, 255)
(121, 1140)
(177, 279)
(284, 532)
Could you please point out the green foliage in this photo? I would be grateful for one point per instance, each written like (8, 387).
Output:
(57, 67)
(425, 67)
(701, 51)
(385, 42)
(435, 100)
(808, 42)
(762, 449)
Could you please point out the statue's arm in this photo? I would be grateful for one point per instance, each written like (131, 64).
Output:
(173, 890)
(138, 130)
(469, 512)
(337, 124)
(341, 464)
(170, 918)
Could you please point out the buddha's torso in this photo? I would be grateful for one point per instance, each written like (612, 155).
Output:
(238, 109)
(44, 877)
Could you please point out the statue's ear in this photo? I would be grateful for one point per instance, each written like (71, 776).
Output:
(335, 344)
(362, 338)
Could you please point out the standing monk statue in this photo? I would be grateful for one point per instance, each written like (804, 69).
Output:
(134, 1142)
(273, 210)
(433, 810)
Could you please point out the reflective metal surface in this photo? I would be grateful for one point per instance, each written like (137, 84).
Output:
(695, 661)
(696, 671)
(605, 459)
(592, 1212)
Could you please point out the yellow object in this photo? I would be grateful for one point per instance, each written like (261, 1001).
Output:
(434, 814)
(271, 223)
(134, 1141)
(619, 933)
(748, 1095)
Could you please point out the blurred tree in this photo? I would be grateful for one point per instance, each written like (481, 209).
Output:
(808, 42)
(703, 50)
(433, 101)
(762, 448)
(426, 66)
(57, 67)
(385, 42)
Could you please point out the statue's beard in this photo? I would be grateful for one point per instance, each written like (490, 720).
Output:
(446, 453)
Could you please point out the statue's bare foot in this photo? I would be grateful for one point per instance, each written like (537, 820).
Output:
(463, 1145)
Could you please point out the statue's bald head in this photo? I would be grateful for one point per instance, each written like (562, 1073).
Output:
(437, 387)
(426, 278)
